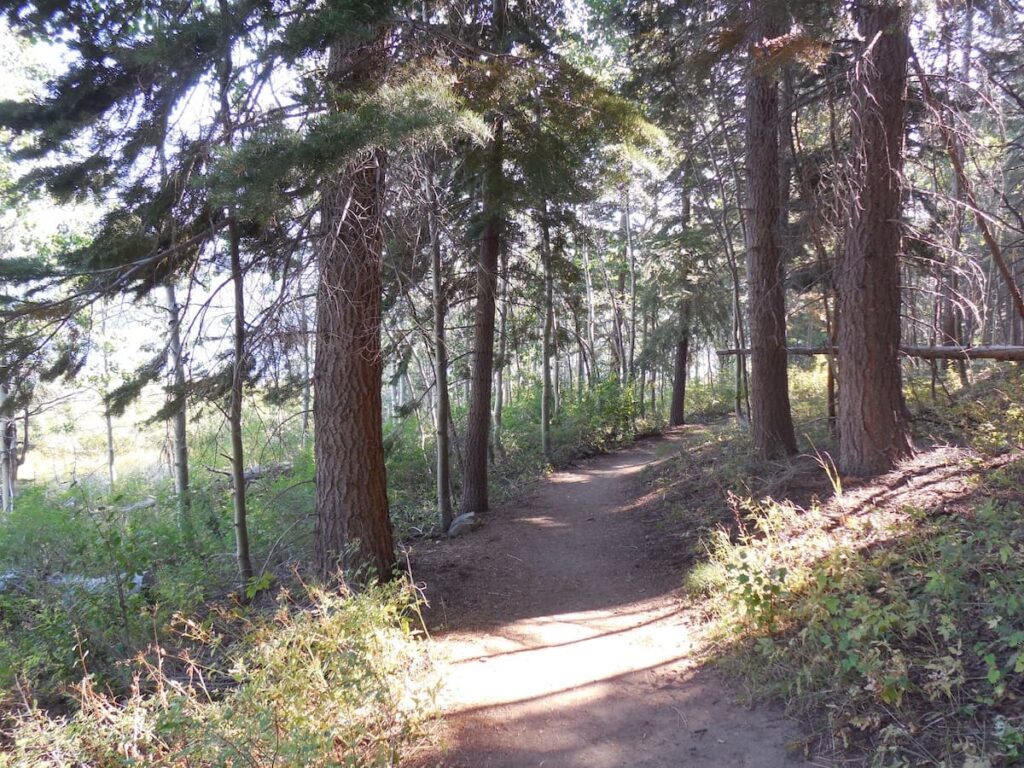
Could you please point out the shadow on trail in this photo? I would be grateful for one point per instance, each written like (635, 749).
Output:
(575, 544)
(564, 641)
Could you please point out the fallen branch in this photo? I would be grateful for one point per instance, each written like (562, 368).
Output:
(967, 189)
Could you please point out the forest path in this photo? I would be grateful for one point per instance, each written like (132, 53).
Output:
(564, 643)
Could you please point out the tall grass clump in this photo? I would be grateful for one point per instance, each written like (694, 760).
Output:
(331, 680)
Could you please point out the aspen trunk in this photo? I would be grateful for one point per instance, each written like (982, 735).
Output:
(499, 373)
(546, 343)
(593, 372)
(442, 407)
(182, 490)
(8, 457)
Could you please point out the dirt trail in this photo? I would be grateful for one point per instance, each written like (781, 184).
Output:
(564, 642)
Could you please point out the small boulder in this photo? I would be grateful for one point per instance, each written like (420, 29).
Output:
(10, 581)
(463, 524)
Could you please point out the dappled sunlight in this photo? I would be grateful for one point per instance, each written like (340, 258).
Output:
(569, 644)
(543, 521)
(566, 478)
(550, 666)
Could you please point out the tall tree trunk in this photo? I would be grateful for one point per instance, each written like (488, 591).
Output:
(239, 365)
(353, 525)
(108, 419)
(682, 360)
(677, 406)
(593, 371)
(7, 455)
(307, 372)
(873, 428)
(952, 317)
(238, 371)
(771, 419)
(442, 407)
(627, 228)
(177, 399)
(475, 479)
(475, 492)
(499, 372)
(546, 396)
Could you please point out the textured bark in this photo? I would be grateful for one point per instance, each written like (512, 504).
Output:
(182, 490)
(771, 419)
(682, 361)
(873, 425)
(475, 468)
(475, 475)
(353, 526)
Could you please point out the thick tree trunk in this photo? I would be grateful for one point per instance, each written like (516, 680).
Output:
(677, 413)
(475, 478)
(442, 407)
(182, 490)
(771, 419)
(873, 425)
(353, 526)
(475, 491)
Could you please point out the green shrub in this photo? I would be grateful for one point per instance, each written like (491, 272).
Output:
(886, 637)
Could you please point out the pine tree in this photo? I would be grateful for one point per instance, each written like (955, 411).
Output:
(873, 427)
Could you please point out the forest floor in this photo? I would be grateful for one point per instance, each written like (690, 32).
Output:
(564, 639)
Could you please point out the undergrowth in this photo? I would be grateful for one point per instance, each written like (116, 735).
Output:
(92, 577)
(329, 680)
(893, 629)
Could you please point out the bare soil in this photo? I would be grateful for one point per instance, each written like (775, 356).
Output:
(565, 643)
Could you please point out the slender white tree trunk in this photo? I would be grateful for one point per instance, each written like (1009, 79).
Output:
(8, 458)
(178, 419)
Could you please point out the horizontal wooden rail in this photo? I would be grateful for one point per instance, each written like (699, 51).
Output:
(1003, 353)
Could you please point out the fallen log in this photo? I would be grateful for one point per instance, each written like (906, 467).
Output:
(1000, 353)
